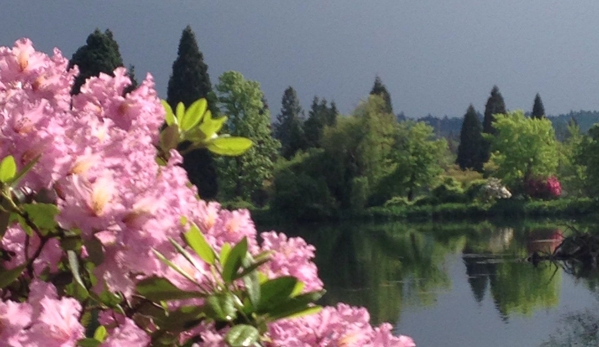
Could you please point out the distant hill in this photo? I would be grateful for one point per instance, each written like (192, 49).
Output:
(450, 127)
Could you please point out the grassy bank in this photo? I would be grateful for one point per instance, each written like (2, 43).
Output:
(561, 208)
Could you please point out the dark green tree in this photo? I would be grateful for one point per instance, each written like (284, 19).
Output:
(189, 82)
(134, 84)
(471, 141)
(319, 116)
(538, 110)
(495, 105)
(100, 54)
(379, 89)
(288, 126)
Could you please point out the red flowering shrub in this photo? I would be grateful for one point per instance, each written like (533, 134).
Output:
(544, 188)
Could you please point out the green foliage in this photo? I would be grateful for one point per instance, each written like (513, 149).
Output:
(471, 142)
(572, 166)
(523, 148)
(495, 105)
(288, 126)
(319, 117)
(449, 191)
(242, 101)
(190, 81)
(538, 110)
(380, 90)
(100, 54)
(587, 155)
(416, 156)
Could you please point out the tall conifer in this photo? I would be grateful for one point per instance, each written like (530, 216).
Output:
(379, 89)
(538, 110)
(495, 105)
(100, 54)
(288, 126)
(189, 82)
(471, 141)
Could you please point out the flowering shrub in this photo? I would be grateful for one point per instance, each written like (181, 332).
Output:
(544, 189)
(104, 243)
(493, 190)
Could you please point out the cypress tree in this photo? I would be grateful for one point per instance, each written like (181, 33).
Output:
(288, 125)
(471, 141)
(319, 116)
(100, 54)
(189, 82)
(379, 89)
(538, 110)
(495, 105)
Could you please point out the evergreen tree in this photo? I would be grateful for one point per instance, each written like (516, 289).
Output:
(100, 54)
(495, 105)
(189, 82)
(134, 84)
(471, 141)
(288, 126)
(538, 110)
(242, 101)
(319, 116)
(379, 89)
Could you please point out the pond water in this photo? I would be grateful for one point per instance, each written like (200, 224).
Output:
(458, 284)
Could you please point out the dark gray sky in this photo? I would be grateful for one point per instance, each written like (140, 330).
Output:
(434, 56)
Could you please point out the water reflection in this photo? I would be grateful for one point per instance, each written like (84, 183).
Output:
(396, 270)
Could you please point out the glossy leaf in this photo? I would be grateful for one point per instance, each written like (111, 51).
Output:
(170, 116)
(42, 215)
(224, 252)
(8, 276)
(100, 333)
(196, 240)
(169, 137)
(89, 342)
(82, 291)
(294, 306)
(8, 169)
(274, 292)
(161, 289)
(234, 260)
(230, 146)
(19, 176)
(194, 114)
(180, 112)
(210, 126)
(242, 335)
(222, 306)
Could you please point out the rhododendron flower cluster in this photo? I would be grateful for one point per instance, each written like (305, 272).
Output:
(544, 189)
(94, 163)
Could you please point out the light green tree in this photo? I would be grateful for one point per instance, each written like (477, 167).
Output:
(416, 158)
(523, 148)
(571, 171)
(242, 101)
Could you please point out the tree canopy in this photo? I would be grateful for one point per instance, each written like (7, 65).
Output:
(381, 90)
(538, 110)
(471, 141)
(288, 126)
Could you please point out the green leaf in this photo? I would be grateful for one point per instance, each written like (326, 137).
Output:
(74, 265)
(174, 266)
(95, 250)
(24, 171)
(242, 335)
(222, 306)
(196, 240)
(275, 291)
(161, 289)
(234, 260)
(5, 216)
(294, 306)
(305, 312)
(8, 169)
(100, 333)
(231, 146)
(210, 126)
(43, 216)
(170, 117)
(89, 342)
(194, 114)
(183, 318)
(299, 286)
(8, 276)
(224, 252)
(180, 112)
(169, 138)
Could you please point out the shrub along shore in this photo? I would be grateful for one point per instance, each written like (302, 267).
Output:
(561, 208)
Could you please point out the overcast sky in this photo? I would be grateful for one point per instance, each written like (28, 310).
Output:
(434, 56)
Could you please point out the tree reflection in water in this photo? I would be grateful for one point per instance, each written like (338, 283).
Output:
(577, 329)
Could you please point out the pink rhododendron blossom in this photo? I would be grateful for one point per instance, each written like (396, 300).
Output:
(96, 161)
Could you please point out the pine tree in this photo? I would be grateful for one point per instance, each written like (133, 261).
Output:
(189, 82)
(538, 110)
(319, 116)
(288, 126)
(495, 105)
(471, 141)
(100, 54)
(379, 89)
(134, 84)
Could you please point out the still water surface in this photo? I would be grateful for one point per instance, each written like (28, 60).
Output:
(458, 284)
